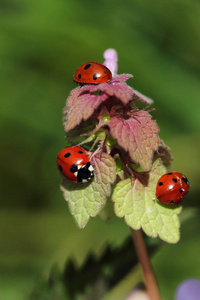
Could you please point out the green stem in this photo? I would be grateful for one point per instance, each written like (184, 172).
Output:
(149, 278)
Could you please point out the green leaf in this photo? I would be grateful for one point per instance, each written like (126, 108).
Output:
(138, 204)
(86, 200)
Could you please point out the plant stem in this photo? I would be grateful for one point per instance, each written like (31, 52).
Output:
(150, 281)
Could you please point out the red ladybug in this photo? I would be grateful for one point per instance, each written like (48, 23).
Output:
(73, 162)
(92, 72)
(171, 188)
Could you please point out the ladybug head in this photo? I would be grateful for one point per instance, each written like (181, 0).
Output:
(85, 173)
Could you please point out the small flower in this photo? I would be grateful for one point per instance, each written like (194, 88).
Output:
(188, 290)
(111, 59)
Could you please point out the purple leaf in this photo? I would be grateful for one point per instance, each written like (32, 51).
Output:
(83, 101)
(80, 106)
(138, 136)
(121, 78)
(115, 88)
(138, 96)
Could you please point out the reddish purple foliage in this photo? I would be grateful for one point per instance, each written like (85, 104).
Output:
(138, 96)
(80, 106)
(133, 129)
(83, 101)
(137, 135)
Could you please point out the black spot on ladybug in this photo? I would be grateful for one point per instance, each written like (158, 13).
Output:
(181, 191)
(171, 201)
(79, 76)
(60, 168)
(95, 76)
(73, 168)
(174, 179)
(169, 173)
(160, 183)
(185, 180)
(67, 154)
(87, 66)
(81, 152)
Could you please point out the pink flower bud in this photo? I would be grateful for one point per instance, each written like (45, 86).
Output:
(111, 59)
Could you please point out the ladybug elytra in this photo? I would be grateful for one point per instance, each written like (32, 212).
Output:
(92, 73)
(171, 188)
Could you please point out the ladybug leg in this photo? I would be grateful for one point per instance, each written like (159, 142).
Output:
(95, 152)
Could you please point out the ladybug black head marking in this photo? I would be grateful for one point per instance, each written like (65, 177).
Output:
(73, 168)
(85, 173)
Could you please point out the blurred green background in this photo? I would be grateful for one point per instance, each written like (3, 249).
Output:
(41, 45)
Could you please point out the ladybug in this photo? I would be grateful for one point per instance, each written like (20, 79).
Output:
(92, 73)
(73, 162)
(171, 188)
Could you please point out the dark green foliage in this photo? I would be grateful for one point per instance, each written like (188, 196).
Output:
(53, 289)
(95, 277)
